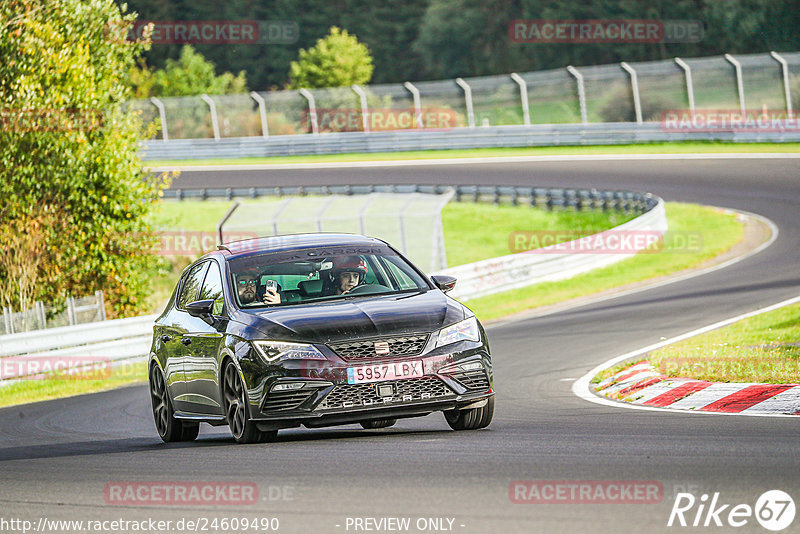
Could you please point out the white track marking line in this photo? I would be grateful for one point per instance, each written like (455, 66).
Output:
(468, 161)
(582, 387)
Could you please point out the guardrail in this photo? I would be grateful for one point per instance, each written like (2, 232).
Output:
(128, 340)
(68, 347)
(457, 138)
(548, 265)
(550, 198)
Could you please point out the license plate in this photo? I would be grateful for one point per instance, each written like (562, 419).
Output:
(384, 371)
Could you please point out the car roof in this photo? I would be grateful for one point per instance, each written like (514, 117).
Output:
(282, 243)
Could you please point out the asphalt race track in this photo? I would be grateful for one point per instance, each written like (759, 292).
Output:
(57, 457)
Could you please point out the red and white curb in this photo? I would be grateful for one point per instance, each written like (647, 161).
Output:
(695, 396)
(641, 384)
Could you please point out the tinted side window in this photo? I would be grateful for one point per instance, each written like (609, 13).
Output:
(212, 288)
(191, 284)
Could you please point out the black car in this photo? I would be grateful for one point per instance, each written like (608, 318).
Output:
(314, 330)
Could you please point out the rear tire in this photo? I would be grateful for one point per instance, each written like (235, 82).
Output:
(378, 423)
(471, 419)
(168, 427)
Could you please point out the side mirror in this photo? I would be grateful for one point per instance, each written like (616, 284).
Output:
(445, 283)
(200, 308)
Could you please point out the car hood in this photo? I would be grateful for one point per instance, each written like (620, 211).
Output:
(371, 316)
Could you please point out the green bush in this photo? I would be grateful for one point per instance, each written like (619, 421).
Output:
(337, 60)
(69, 171)
(618, 106)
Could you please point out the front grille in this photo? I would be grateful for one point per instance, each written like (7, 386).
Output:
(406, 390)
(475, 379)
(286, 400)
(363, 349)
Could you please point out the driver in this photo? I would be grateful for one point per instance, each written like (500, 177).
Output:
(348, 272)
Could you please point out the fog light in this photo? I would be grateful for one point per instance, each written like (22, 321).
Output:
(471, 366)
(287, 386)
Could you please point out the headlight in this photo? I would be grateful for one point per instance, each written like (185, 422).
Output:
(280, 350)
(466, 330)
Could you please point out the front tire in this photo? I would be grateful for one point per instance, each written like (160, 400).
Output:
(244, 430)
(471, 419)
(168, 427)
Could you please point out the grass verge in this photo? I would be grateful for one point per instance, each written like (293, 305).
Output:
(716, 230)
(63, 385)
(763, 348)
(689, 147)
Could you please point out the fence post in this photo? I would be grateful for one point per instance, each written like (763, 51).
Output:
(71, 317)
(212, 107)
(101, 304)
(312, 110)
(8, 319)
(262, 110)
(787, 93)
(523, 95)
(468, 98)
(581, 92)
(417, 105)
(38, 306)
(224, 219)
(162, 113)
(364, 107)
(689, 84)
(637, 103)
(739, 83)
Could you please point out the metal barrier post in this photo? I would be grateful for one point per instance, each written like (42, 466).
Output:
(581, 92)
(637, 104)
(364, 108)
(212, 107)
(312, 110)
(689, 85)
(739, 82)
(162, 113)
(224, 219)
(417, 105)
(786, 90)
(523, 95)
(101, 305)
(468, 97)
(71, 317)
(8, 319)
(38, 307)
(262, 110)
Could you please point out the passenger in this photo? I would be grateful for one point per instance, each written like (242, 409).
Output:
(348, 272)
(247, 289)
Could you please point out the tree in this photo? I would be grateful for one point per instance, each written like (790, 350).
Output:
(337, 60)
(190, 75)
(69, 170)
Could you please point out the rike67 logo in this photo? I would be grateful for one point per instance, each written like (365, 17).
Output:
(774, 510)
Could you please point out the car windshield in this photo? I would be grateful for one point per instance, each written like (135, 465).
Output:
(319, 274)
